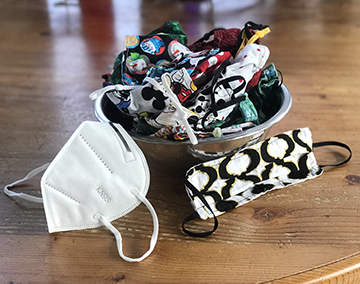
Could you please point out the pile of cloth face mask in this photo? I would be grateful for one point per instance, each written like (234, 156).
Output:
(214, 86)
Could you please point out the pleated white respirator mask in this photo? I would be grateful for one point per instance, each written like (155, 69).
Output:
(98, 176)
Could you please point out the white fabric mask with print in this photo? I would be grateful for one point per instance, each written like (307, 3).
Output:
(218, 186)
(98, 176)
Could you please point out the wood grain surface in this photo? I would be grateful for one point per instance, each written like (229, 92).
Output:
(52, 57)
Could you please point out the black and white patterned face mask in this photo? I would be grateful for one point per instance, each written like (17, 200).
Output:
(220, 185)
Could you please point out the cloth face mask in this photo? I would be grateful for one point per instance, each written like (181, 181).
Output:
(220, 185)
(98, 176)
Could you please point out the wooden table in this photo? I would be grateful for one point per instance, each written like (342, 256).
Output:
(52, 57)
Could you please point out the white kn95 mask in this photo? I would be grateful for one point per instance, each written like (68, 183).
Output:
(98, 176)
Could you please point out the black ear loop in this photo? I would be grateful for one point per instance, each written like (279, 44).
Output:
(334, 143)
(195, 215)
(214, 108)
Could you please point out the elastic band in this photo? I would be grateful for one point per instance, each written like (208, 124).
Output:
(227, 80)
(214, 108)
(334, 143)
(25, 196)
(215, 78)
(247, 37)
(118, 87)
(220, 107)
(258, 34)
(98, 93)
(195, 215)
(118, 236)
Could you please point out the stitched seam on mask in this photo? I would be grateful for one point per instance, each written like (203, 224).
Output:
(58, 190)
(96, 154)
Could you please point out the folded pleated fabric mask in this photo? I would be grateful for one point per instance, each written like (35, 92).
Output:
(220, 185)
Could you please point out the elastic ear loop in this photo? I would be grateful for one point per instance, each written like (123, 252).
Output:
(98, 93)
(174, 99)
(334, 143)
(214, 108)
(25, 196)
(258, 34)
(118, 236)
(195, 215)
(179, 108)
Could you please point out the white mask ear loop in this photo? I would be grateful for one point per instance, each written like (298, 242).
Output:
(25, 196)
(98, 93)
(117, 234)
